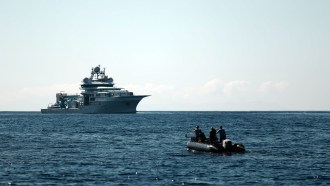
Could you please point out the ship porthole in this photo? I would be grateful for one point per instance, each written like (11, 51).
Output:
(127, 103)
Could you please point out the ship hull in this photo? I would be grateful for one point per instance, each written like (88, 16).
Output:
(123, 104)
(60, 111)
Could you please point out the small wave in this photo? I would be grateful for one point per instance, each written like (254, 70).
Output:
(319, 177)
(177, 154)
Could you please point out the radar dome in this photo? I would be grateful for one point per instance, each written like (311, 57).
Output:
(86, 80)
(97, 69)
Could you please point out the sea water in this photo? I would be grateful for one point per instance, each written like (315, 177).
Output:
(149, 148)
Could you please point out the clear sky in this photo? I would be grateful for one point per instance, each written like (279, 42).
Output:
(217, 55)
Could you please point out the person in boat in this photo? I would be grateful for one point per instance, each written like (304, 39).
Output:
(197, 132)
(213, 135)
(200, 136)
(222, 133)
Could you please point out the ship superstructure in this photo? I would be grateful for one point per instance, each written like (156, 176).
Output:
(99, 95)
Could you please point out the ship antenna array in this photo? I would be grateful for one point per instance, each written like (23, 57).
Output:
(98, 72)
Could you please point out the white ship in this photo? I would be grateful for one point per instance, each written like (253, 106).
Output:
(98, 96)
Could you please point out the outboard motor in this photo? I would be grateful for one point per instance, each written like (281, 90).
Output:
(238, 147)
(227, 144)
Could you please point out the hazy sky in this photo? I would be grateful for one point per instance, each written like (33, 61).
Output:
(188, 54)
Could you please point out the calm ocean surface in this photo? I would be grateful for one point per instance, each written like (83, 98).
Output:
(149, 148)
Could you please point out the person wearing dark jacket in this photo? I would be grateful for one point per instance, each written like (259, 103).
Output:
(213, 135)
(222, 133)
